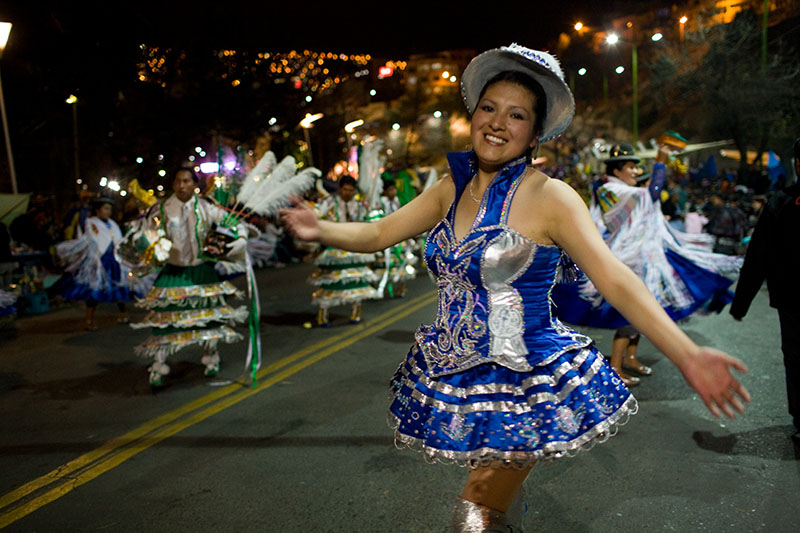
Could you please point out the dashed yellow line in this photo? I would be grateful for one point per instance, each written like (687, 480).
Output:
(45, 489)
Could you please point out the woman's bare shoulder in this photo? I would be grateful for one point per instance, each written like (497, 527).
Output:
(546, 190)
(559, 193)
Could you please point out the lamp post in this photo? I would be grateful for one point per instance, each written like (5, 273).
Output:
(5, 30)
(612, 39)
(306, 124)
(764, 24)
(349, 128)
(73, 101)
(635, 84)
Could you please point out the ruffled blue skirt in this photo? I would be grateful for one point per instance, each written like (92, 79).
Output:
(489, 414)
(117, 291)
(707, 289)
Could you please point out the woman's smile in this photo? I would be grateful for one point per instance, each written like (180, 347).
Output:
(502, 126)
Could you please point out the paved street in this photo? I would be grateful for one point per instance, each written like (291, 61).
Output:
(86, 446)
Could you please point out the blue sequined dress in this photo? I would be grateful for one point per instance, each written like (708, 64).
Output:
(497, 376)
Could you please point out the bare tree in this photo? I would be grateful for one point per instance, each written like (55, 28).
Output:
(732, 94)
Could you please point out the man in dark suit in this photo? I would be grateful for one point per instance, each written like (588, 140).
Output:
(774, 254)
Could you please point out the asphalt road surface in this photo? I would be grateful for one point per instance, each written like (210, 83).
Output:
(86, 446)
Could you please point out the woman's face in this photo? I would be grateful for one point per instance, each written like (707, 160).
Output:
(502, 126)
(627, 174)
(104, 212)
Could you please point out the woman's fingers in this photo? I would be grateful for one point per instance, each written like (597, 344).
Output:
(741, 391)
(734, 401)
(726, 408)
(737, 364)
(712, 406)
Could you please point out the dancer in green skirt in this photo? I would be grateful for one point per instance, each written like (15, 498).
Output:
(188, 300)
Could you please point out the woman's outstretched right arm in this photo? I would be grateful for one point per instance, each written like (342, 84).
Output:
(417, 216)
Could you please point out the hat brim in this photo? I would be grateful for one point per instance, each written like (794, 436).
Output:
(622, 158)
(560, 104)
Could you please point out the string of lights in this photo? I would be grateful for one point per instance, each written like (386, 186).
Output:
(310, 71)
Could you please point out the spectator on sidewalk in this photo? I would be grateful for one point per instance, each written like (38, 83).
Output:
(773, 255)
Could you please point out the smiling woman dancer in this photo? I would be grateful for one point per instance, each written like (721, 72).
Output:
(496, 383)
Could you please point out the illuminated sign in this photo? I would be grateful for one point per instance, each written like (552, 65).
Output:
(385, 71)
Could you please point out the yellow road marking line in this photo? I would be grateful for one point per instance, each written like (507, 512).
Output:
(118, 450)
(148, 427)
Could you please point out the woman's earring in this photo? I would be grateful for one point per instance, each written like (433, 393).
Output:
(534, 152)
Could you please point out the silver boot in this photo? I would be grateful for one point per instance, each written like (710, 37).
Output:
(469, 517)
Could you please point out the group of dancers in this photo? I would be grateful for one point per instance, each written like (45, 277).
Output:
(186, 295)
(498, 382)
(350, 278)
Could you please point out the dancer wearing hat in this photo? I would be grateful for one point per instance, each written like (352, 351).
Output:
(92, 273)
(496, 383)
(681, 272)
(622, 165)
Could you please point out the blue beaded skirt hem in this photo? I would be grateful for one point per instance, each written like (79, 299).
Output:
(490, 414)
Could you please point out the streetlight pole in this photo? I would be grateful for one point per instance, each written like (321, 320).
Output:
(635, 76)
(683, 20)
(306, 124)
(5, 30)
(308, 146)
(764, 24)
(613, 39)
(73, 101)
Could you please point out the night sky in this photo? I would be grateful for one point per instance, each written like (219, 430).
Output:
(90, 48)
(390, 28)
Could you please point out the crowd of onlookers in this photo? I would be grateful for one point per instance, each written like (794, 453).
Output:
(695, 203)
(692, 202)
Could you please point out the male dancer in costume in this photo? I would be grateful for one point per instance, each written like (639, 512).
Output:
(342, 277)
(187, 301)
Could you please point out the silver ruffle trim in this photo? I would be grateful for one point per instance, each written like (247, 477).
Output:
(334, 256)
(519, 459)
(193, 317)
(332, 298)
(164, 345)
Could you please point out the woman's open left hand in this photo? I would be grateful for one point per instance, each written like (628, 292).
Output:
(709, 373)
(300, 221)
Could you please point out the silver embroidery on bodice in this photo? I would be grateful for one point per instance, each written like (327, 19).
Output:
(472, 328)
(461, 330)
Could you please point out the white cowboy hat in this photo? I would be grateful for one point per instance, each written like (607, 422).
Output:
(540, 66)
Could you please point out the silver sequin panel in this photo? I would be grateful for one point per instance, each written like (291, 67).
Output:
(506, 258)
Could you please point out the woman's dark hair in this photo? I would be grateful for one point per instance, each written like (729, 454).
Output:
(523, 80)
(611, 166)
(97, 203)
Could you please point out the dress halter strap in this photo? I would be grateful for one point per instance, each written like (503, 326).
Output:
(496, 201)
